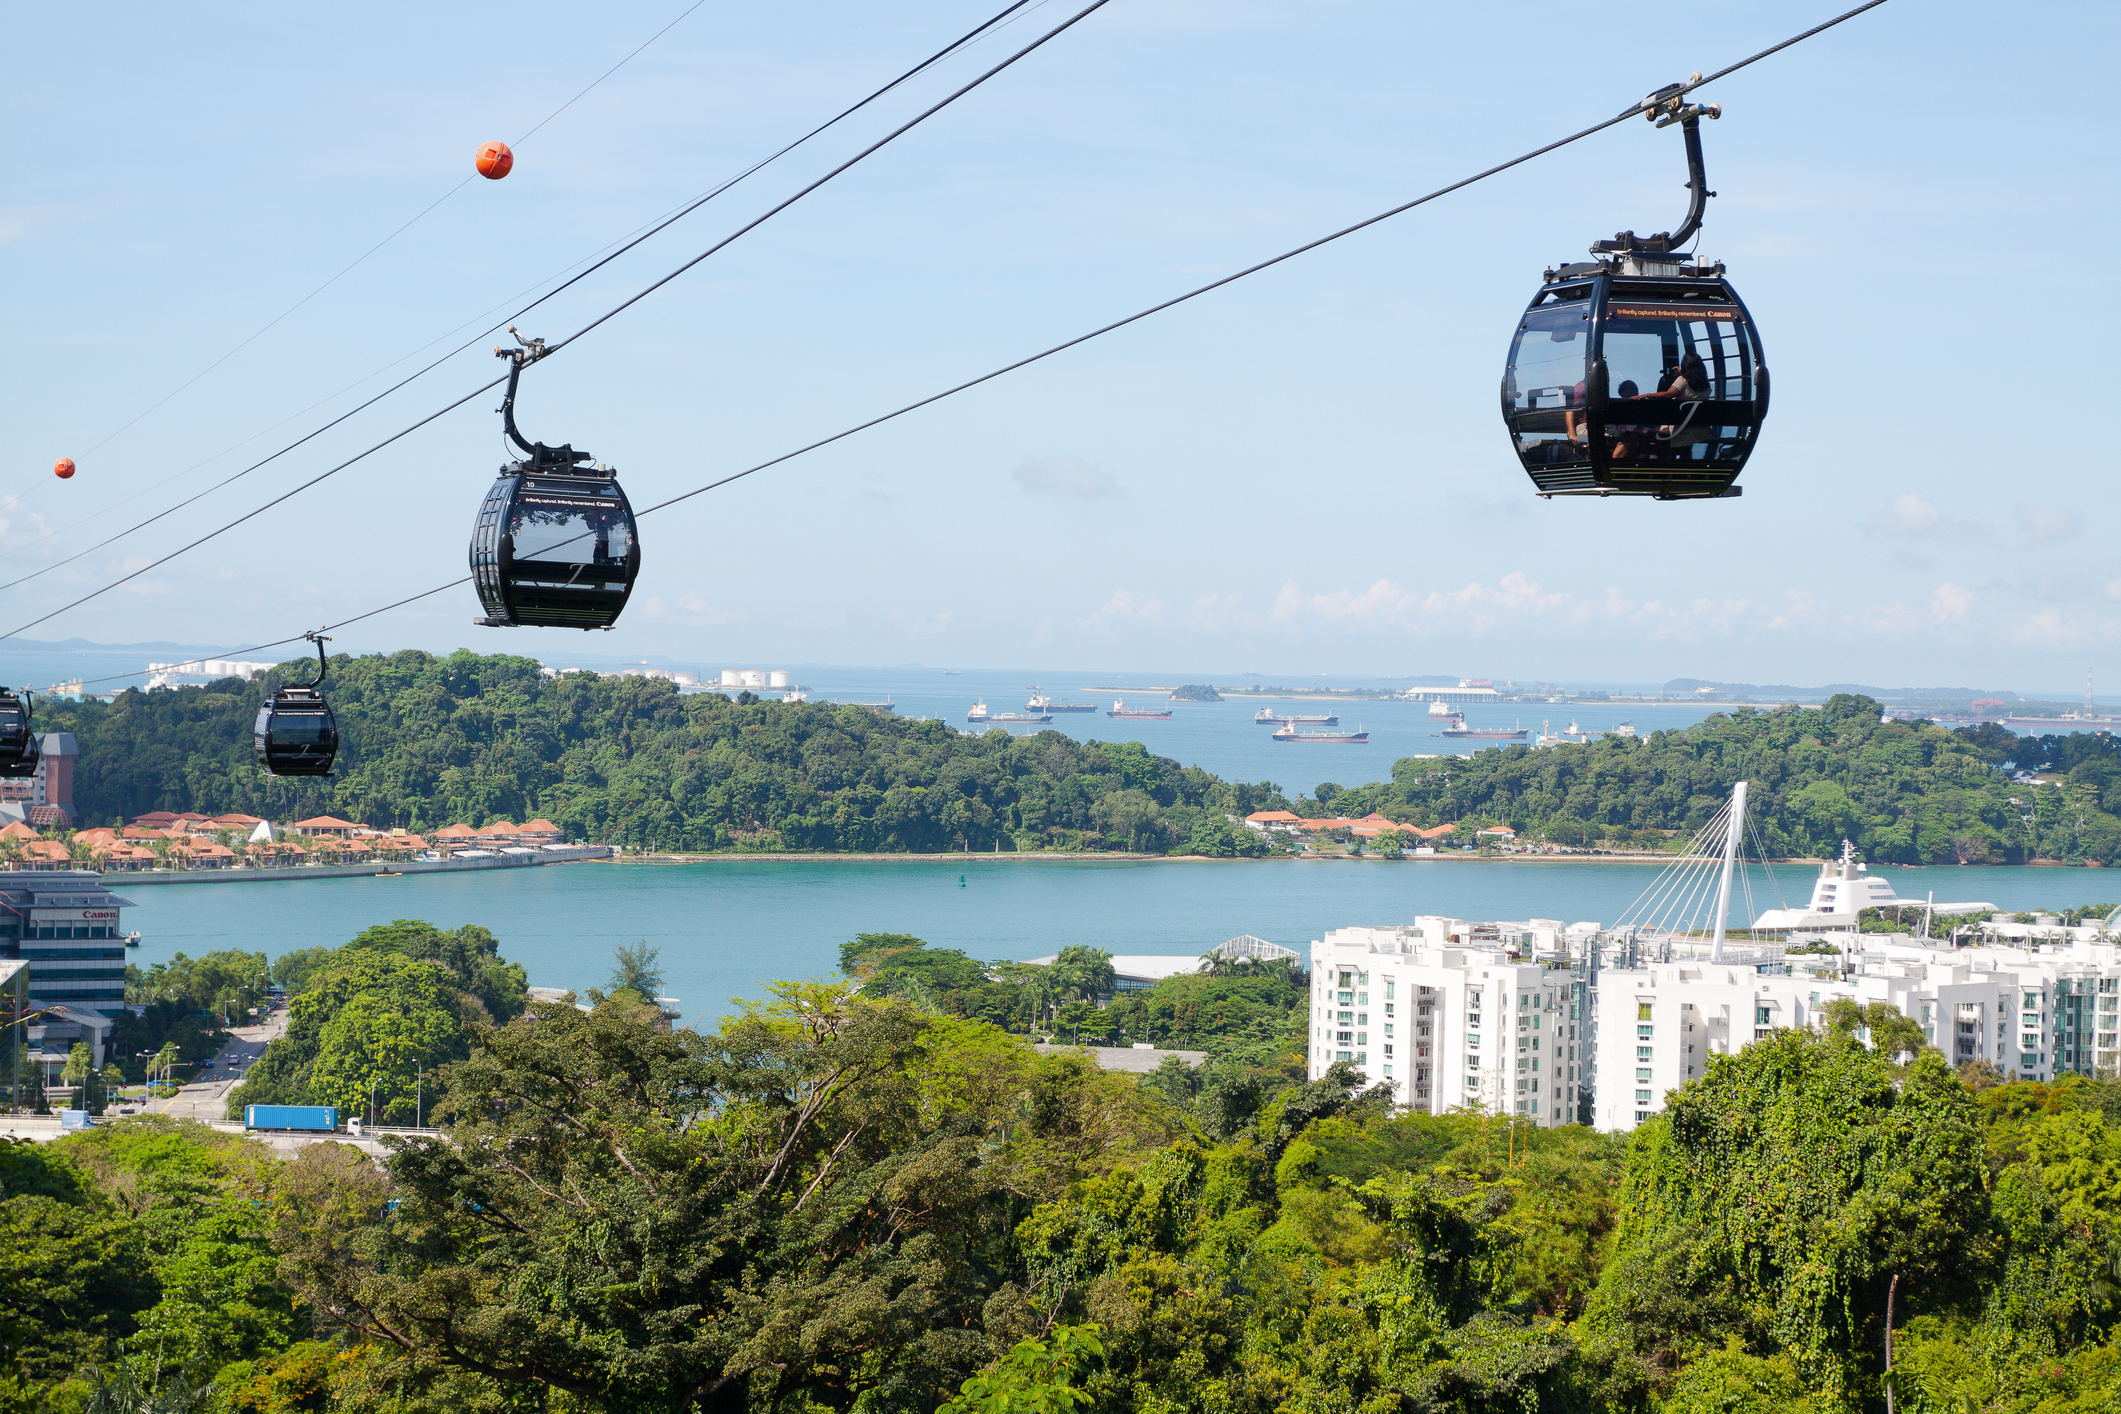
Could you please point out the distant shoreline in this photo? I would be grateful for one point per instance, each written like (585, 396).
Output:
(1056, 857)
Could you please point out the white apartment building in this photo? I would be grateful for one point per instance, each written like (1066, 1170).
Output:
(1521, 1018)
(1452, 1014)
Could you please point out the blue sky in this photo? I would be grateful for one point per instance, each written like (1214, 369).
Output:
(1303, 472)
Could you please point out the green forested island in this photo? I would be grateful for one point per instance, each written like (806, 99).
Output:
(860, 1196)
(468, 738)
(1905, 792)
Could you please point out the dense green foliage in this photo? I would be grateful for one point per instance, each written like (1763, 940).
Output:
(145, 1237)
(426, 741)
(849, 1200)
(1248, 1012)
(373, 1022)
(1905, 792)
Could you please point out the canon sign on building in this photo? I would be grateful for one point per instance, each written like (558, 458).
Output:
(68, 930)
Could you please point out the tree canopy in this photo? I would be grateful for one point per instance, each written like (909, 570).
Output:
(1908, 792)
(848, 1198)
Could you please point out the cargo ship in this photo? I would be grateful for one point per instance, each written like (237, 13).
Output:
(1265, 717)
(1462, 732)
(1121, 709)
(1020, 718)
(1040, 702)
(1288, 732)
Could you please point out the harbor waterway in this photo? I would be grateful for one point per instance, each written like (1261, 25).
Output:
(728, 927)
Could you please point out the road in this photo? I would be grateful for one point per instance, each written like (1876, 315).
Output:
(206, 1098)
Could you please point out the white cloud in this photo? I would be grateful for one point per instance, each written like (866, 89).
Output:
(1124, 605)
(1909, 512)
(2113, 589)
(1799, 607)
(2044, 523)
(2047, 629)
(1950, 602)
(16, 221)
(1065, 476)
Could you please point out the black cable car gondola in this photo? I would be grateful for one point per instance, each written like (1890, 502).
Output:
(1639, 373)
(295, 734)
(554, 544)
(18, 735)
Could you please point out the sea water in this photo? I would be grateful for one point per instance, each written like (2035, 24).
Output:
(728, 927)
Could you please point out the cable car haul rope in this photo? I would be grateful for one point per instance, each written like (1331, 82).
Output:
(1573, 398)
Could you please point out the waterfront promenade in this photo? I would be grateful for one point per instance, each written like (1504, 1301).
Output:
(460, 864)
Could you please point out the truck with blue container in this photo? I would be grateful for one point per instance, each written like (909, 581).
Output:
(300, 1119)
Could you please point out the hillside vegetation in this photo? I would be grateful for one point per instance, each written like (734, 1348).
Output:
(429, 741)
(839, 1201)
(1904, 792)
(468, 738)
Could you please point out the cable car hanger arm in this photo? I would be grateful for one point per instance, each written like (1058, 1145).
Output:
(323, 667)
(1665, 107)
(540, 455)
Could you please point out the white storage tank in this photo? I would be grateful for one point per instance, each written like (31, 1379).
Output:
(778, 678)
(754, 677)
(732, 677)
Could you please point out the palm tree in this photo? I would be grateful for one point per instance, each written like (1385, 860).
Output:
(163, 1062)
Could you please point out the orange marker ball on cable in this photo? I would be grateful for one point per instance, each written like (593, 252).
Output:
(63, 468)
(494, 161)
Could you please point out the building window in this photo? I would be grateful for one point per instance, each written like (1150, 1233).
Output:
(1641, 1115)
(1643, 1076)
(1642, 1011)
(1761, 1016)
(1642, 1053)
(1643, 1033)
(1344, 1055)
(1391, 990)
(1642, 1097)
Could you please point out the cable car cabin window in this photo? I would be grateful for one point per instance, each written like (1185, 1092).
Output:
(1680, 375)
(1544, 386)
(14, 729)
(570, 529)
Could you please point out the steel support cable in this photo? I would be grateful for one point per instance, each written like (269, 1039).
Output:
(1006, 368)
(1655, 901)
(1229, 279)
(416, 219)
(648, 233)
(775, 210)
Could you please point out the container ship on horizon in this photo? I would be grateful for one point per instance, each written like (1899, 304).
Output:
(1288, 732)
(1457, 730)
(1040, 702)
(979, 713)
(1121, 709)
(1265, 717)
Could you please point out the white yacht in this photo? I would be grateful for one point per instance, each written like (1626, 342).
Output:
(1845, 887)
